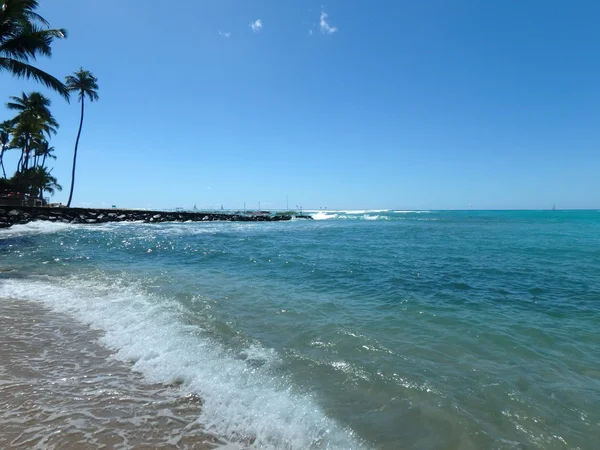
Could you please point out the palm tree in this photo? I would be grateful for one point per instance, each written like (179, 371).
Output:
(33, 121)
(34, 107)
(36, 181)
(44, 151)
(24, 35)
(43, 181)
(86, 85)
(5, 132)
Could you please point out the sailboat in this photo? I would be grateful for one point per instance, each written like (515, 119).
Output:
(554, 207)
(195, 207)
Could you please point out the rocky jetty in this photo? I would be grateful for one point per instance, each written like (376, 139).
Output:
(11, 215)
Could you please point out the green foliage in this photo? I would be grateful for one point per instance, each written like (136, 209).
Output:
(31, 127)
(33, 109)
(24, 35)
(35, 181)
(86, 85)
(29, 132)
(5, 132)
(7, 184)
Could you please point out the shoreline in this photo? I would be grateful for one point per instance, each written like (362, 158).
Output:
(61, 387)
(13, 215)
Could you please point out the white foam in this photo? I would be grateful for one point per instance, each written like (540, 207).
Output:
(365, 211)
(349, 211)
(324, 216)
(37, 227)
(411, 212)
(241, 401)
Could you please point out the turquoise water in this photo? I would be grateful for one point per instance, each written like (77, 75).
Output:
(363, 329)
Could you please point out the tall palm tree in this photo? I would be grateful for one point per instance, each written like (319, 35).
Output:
(86, 85)
(24, 35)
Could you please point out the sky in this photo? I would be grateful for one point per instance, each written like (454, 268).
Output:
(345, 105)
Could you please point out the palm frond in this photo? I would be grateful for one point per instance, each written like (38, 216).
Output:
(84, 82)
(20, 9)
(30, 42)
(24, 70)
(24, 34)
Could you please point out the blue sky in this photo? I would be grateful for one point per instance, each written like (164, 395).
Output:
(387, 104)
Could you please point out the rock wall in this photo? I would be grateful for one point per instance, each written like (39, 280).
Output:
(11, 215)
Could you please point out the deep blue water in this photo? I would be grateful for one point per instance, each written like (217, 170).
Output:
(425, 330)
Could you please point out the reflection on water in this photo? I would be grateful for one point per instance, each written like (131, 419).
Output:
(59, 389)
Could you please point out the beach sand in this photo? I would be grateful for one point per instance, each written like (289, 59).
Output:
(59, 388)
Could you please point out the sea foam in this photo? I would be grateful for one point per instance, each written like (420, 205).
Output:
(246, 404)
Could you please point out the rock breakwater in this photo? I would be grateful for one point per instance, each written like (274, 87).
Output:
(11, 215)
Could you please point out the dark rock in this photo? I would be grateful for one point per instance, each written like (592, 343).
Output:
(23, 214)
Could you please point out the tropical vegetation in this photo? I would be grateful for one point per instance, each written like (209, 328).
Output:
(86, 85)
(29, 132)
(25, 35)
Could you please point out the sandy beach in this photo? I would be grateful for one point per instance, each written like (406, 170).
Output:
(60, 389)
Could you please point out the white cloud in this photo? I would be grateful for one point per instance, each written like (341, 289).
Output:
(224, 33)
(325, 27)
(256, 25)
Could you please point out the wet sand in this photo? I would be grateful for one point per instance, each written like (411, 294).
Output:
(59, 388)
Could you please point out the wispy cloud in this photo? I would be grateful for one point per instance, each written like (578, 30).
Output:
(256, 25)
(325, 27)
(224, 33)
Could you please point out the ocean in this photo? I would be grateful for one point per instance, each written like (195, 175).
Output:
(358, 330)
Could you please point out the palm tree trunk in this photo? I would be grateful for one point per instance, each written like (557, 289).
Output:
(2, 162)
(20, 163)
(75, 154)
(27, 155)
